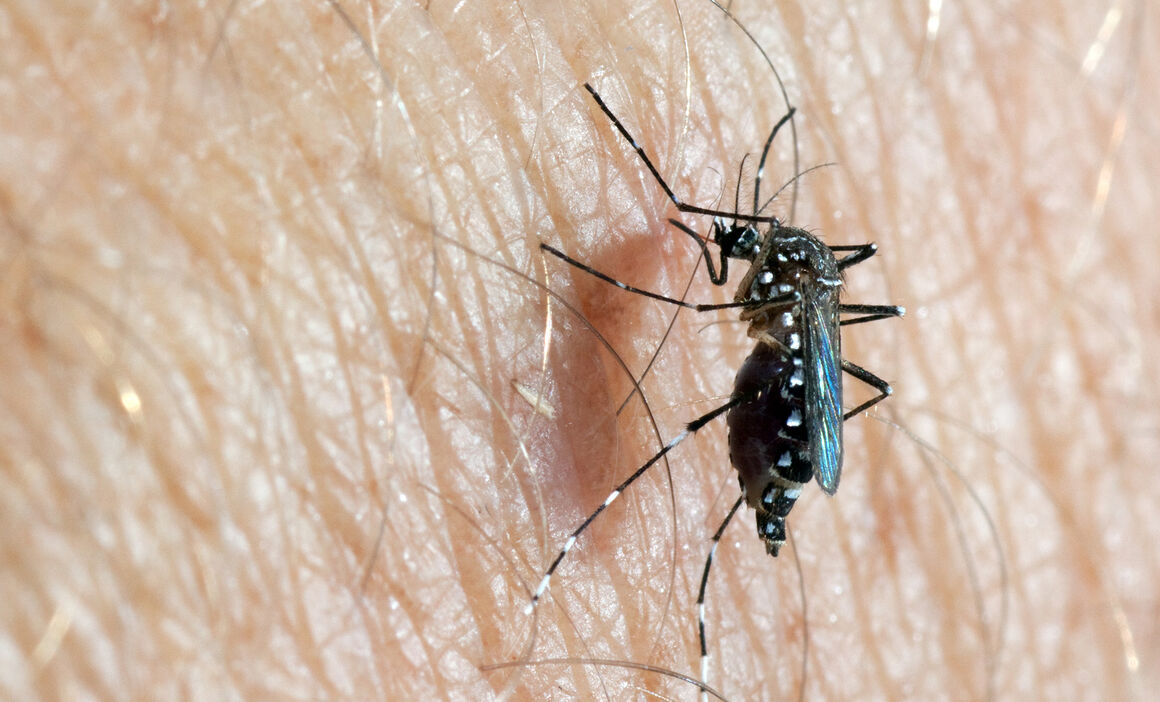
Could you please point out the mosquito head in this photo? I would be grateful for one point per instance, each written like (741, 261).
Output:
(737, 240)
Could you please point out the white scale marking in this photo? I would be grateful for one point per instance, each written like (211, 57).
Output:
(785, 460)
(795, 419)
(536, 596)
(701, 621)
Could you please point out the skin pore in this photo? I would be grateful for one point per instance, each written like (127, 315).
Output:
(274, 321)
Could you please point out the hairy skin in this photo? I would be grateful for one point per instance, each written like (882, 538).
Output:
(253, 448)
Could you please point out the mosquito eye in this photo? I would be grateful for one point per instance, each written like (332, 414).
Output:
(747, 242)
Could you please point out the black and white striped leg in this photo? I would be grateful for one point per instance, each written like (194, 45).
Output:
(757, 207)
(691, 428)
(701, 595)
(790, 297)
(689, 209)
(870, 379)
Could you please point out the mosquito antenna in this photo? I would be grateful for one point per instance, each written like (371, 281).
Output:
(737, 193)
(791, 181)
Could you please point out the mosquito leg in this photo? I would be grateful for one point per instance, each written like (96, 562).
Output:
(690, 209)
(691, 428)
(724, 261)
(870, 313)
(765, 154)
(788, 298)
(701, 594)
(870, 379)
(861, 253)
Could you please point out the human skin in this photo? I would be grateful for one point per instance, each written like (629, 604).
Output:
(255, 448)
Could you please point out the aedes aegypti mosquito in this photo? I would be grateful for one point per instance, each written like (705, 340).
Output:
(785, 413)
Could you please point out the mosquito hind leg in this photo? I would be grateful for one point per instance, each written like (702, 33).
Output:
(701, 593)
(690, 429)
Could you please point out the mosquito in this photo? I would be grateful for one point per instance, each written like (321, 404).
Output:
(784, 415)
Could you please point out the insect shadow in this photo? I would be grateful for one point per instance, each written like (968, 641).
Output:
(784, 415)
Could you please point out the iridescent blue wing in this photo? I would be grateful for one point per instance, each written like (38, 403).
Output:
(822, 363)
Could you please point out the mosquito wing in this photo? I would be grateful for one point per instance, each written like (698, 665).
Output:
(823, 369)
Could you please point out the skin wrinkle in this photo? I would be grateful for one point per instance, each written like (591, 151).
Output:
(212, 200)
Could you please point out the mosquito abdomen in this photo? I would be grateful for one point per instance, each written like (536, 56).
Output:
(768, 441)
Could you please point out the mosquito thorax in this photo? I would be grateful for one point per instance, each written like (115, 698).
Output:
(796, 262)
